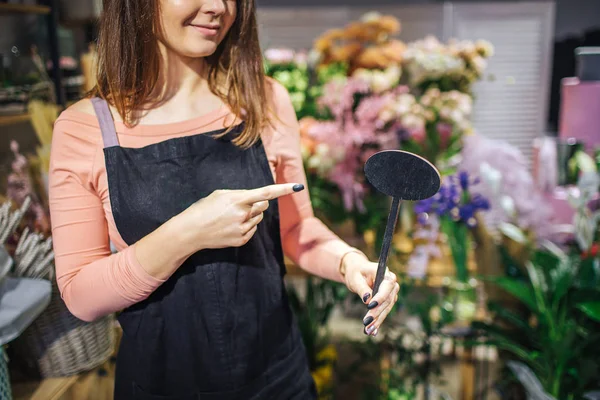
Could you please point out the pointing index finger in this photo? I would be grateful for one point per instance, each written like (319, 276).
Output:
(271, 192)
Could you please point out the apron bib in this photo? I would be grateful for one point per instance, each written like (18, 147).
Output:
(221, 326)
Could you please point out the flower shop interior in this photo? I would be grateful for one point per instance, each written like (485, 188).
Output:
(499, 271)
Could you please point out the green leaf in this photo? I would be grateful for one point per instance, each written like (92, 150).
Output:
(591, 309)
(550, 257)
(539, 289)
(562, 280)
(517, 350)
(514, 319)
(589, 273)
(513, 232)
(519, 289)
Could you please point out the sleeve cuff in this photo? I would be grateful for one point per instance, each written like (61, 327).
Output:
(146, 282)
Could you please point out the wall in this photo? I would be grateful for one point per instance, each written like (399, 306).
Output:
(572, 16)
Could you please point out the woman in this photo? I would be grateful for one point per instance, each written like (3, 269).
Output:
(187, 159)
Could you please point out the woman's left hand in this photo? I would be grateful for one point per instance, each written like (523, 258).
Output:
(359, 277)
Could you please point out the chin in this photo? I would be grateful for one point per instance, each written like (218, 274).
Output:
(198, 50)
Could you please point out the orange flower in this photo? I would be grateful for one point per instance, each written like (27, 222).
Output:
(306, 141)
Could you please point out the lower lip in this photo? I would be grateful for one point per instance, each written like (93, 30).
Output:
(206, 31)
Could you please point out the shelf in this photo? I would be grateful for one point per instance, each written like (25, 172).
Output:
(48, 389)
(13, 119)
(9, 8)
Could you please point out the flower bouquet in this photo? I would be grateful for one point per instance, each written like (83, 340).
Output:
(366, 43)
(456, 208)
(301, 78)
(453, 66)
(432, 125)
(335, 149)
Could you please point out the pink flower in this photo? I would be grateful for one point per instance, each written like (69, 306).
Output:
(418, 135)
(445, 132)
(279, 56)
(301, 58)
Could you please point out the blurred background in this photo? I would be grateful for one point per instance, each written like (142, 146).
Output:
(500, 271)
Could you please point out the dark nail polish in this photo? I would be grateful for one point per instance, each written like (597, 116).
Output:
(366, 297)
(367, 320)
(370, 329)
(372, 305)
(298, 188)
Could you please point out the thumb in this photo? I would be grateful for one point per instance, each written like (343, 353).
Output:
(358, 284)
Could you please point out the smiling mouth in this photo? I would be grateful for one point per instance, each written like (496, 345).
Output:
(208, 30)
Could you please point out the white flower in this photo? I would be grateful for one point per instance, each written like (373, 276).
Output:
(322, 149)
(403, 104)
(305, 152)
(479, 63)
(380, 83)
(372, 16)
(508, 206)
(419, 358)
(411, 121)
(445, 112)
(491, 177)
(386, 115)
(465, 105)
(363, 74)
(393, 73)
(485, 48)
(435, 314)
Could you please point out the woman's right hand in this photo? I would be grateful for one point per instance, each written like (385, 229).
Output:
(229, 218)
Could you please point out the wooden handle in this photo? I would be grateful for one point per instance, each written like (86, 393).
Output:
(387, 242)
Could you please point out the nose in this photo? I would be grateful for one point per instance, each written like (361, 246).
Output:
(215, 7)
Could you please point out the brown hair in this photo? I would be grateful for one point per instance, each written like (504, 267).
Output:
(129, 63)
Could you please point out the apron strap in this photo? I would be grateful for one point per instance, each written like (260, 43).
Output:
(107, 125)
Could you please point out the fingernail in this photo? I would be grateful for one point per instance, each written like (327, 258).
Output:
(370, 329)
(372, 305)
(367, 320)
(366, 297)
(375, 332)
(298, 188)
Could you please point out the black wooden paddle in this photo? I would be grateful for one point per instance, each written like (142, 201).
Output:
(403, 176)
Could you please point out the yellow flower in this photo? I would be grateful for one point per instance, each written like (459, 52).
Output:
(329, 353)
(323, 377)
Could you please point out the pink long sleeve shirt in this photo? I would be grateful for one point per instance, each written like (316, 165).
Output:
(93, 281)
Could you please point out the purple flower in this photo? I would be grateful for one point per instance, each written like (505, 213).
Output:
(480, 202)
(466, 212)
(463, 178)
(422, 218)
(424, 206)
(454, 200)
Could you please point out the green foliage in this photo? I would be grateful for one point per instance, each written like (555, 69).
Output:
(313, 311)
(560, 341)
(411, 351)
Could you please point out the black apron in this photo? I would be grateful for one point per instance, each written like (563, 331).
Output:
(221, 326)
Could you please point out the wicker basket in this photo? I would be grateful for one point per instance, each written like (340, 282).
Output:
(58, 344)
(5, 388)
